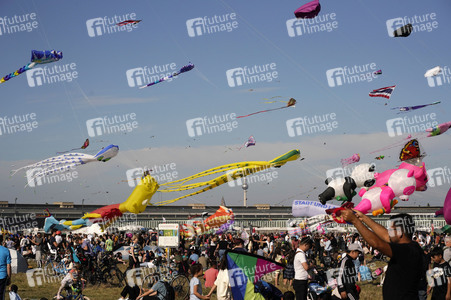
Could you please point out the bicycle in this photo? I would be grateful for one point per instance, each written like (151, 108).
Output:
(73, 292)
(54, 267)
(179, 282)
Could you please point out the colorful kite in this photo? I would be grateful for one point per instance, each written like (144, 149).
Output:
(411, 150)
(250, 142)
(350, 160)
(378, 72)
(380, 157)
(66, 162)
(245, 270)
(84, 146)
(127, 22)
(184, 69)
(409, 108)
(221, 220)
(384, 92)
(268, 100)
(291, 103)
(138, 200)
(308, 11)
(433, 72)
(403, 31)
(439, 129)
(446, 209)
(37, 57)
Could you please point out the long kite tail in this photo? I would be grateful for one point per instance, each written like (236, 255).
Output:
(17, 72)
(262, 111)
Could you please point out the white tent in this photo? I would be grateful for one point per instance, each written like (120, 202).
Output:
(93, 229)
(18, 262)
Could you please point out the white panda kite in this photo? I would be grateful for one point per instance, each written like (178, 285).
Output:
(343, 189)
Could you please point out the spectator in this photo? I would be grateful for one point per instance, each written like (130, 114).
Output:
(130, 293)
(37, 241)
(239, 245)
(222, 283)
(211, 275)
(405, 268)
(347, 274)
(195, 286)
(300, 269)
(203, 261)
(288, 272)
(5, 270)
(447, 249)
(13, 292)
(440, 283)
(223, 245)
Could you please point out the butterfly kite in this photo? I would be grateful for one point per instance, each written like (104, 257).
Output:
(409, 108)
(37, 57)
(65, 162)
(439, 129)
(291, 102)
(184, 69)
(85, 145)
(350, 160)
(308, 10)
(410, 150)
(250, 142)
(384, 92)
(127, 22)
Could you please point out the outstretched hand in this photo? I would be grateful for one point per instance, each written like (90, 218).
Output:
(348, 215)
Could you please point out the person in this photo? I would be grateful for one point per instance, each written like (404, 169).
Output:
(5, 270)
(405, 268)
(440, 283)
(195, 286)
(288, 272)
(223, 245)
(109, 244)
(222, 282)
(239, 245)
(347, 274)
(37, 241)
(300, 269)
(447, 249)
(211, 274)
(13, 292)
(289, 295)
(203, 261)
(158, 290)
(134, 253)
(277, 258)
(130, 293)
(71, 277)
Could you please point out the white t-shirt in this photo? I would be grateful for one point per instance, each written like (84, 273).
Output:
(222, 285)
(299, 272)
(192, 284)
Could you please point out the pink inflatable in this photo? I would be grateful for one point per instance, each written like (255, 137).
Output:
(447, 208)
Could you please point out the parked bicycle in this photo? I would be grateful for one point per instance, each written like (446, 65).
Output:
(178, 281)
(73, 292)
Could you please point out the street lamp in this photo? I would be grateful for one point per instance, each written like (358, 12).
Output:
(245, 187)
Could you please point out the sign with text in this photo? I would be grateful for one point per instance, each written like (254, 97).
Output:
(168, 235)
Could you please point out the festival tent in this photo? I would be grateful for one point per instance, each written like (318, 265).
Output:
(18, 262)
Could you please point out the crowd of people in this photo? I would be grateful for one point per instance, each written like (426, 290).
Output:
(418, 263)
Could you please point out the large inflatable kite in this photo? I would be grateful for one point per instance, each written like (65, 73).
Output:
(138, 200)
(439, 129)
(184, 69)
(221, 220)
(37, 57)
(446, 209)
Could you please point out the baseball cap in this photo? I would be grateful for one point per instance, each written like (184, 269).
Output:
(58, 232)
(355, 247)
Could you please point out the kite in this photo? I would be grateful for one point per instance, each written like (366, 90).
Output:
(84, 146)
(411, 150)
(308, 11)
(245, 270)
(384, 92)
(380, 157)
(268, 100)
(250, 142)
(138, 200)
(445, 211)
(410, 108)
(350, 160)
(433, 72)
(403, 31)
(127, 22)
(37, 57)
(221, 220)
(306, 208)
(184, 69)
(378, 72)
(291, 103)
(439, 129)
(66, 162)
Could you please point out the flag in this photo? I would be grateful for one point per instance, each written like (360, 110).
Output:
(245, 269)
(383, 92)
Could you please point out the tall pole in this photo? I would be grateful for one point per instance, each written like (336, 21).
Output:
(245, 187)
(15, 205)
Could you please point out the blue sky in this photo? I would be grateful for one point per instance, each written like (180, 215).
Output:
(261, 37)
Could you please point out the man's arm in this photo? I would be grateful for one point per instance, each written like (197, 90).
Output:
(370, 237)
(377, 228)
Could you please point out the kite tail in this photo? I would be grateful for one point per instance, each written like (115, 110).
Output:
(17, 72)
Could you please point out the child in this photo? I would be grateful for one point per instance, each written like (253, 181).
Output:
(13, 292)
(195, 287)
(440, 274)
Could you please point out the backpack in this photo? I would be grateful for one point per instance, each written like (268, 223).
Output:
(170, 293)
